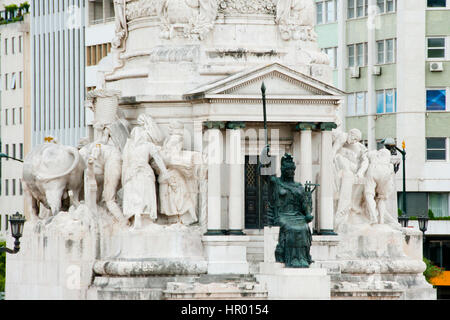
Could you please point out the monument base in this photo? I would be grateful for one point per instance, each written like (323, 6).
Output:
(294, 284)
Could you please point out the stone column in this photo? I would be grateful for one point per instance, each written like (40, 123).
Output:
(215, 162)
(235, 161)
(305, 150)
(326, 216)
(305, 167)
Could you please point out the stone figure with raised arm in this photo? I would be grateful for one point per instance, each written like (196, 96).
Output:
(138, 177)
(178, 193)
(350, 165)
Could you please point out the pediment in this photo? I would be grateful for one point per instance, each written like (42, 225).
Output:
(279, 80)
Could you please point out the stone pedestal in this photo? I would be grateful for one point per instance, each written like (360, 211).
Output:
(290, 283)
(226, 254)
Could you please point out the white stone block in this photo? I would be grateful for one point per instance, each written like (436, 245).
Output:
(226, 254)
(294, 284)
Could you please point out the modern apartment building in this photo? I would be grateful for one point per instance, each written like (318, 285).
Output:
(15, 103)
(392, 57)
(58, 70)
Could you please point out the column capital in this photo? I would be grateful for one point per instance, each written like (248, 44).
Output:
(305, 126)
(214, 124)
(328, 126)
(235, 125)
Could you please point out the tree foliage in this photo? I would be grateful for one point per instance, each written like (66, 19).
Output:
(2, 268)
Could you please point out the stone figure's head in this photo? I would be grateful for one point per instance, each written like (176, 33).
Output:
(354, 136)
(150, 126)
(287, 167)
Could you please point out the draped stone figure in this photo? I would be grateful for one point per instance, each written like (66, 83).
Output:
(295, 19)
(178, 193)
(191, 18)
(121, 28)
(138, 177)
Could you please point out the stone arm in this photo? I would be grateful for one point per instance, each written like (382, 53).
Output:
(157, 159)
(364, 165)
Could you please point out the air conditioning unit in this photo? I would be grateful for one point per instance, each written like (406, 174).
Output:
(376, 71)
(355, 72)
(436, 66)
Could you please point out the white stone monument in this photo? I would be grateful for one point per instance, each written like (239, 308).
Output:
(177, 116)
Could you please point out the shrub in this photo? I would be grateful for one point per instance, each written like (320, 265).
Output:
(431, 271)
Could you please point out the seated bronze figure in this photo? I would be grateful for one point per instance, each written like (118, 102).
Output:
(290, 208)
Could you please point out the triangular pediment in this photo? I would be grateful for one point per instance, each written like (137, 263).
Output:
(279, 80)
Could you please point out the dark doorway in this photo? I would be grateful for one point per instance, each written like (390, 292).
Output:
(256, 195)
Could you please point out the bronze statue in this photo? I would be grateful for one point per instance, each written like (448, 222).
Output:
(290, 207)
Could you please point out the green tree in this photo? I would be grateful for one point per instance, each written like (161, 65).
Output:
(2, 268)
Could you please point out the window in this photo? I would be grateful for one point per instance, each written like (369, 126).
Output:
(20, 187)
(357, 54)
(14, 150)
(20, 115)
(436, 149)
(331, 12)
(20, 79)
(6, 81)
(385, 6)
(319, 12)
(20, 43)
(351, 9)
(13, 187)
(436, 3)
(12, 85)
(436, 48)
(21, 151)
(13, 113)
(6, 187)
(438, 203)
(357, 104)
(387, 101)
(6, 117)
(357, 8)
(416, 203)
(332, 55)
(6, 46)
(6, 222)
(436, 99)
(7, 151)
(13, 40)
(386, 51)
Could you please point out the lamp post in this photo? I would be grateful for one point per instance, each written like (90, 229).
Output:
(423, 226)
(17, 222)
(390, 144)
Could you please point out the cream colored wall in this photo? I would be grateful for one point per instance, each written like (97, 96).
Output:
(13, 98)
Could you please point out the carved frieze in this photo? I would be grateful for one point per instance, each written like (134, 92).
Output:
(247, 6)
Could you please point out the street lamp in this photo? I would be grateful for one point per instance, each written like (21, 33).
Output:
(3, 155)
(390, 144)
(17, 222)
(423, 226)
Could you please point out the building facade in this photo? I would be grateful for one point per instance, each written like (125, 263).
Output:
(58, 70)
(14, 101)
(393, 60)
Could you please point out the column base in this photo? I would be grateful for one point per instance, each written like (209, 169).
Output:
(218, 232)
(327, 232)
(235, 233)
